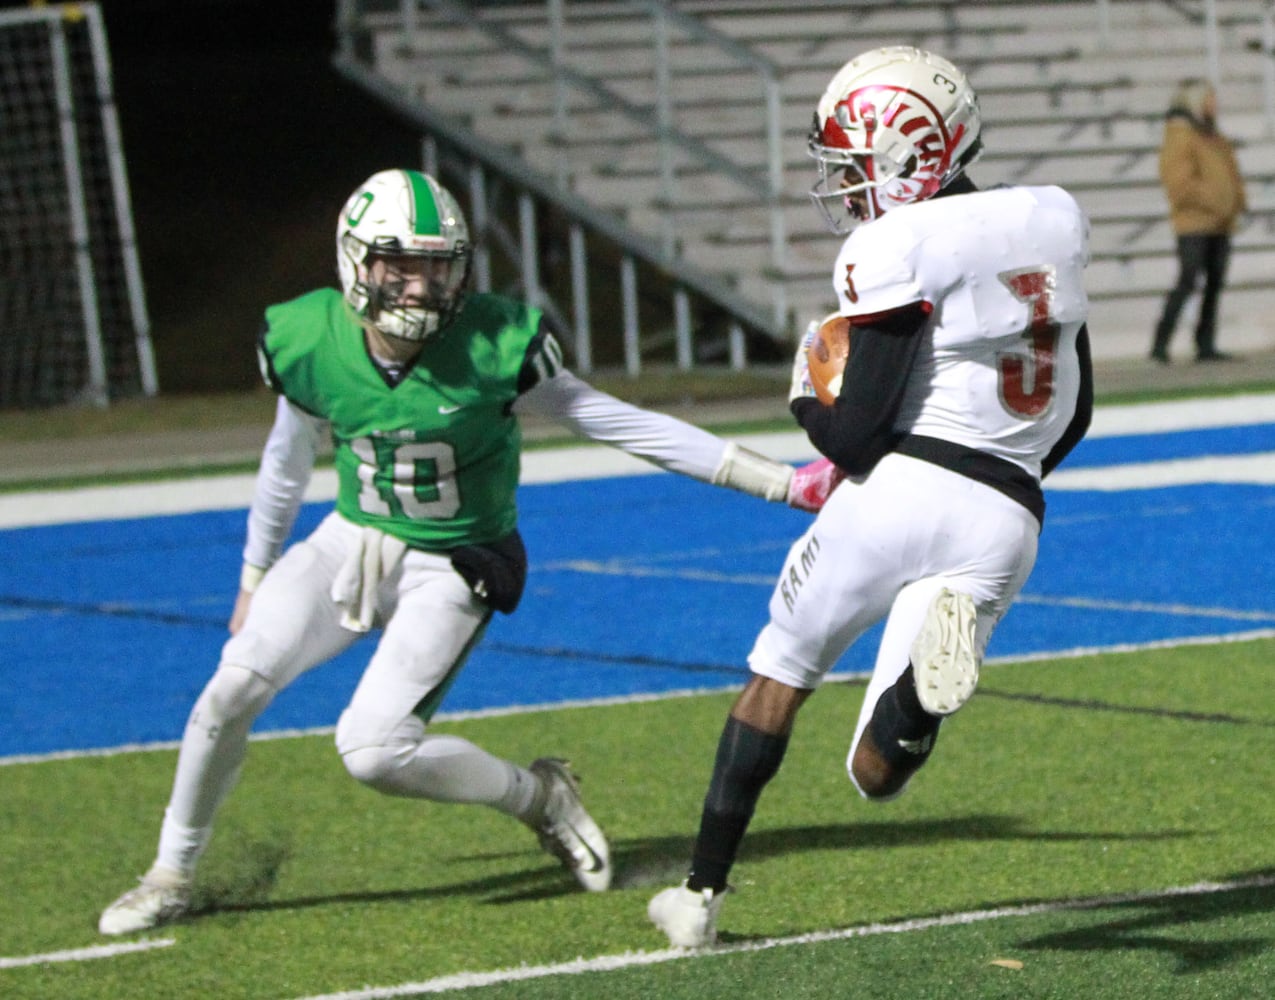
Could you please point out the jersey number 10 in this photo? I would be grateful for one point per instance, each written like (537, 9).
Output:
(420, 476)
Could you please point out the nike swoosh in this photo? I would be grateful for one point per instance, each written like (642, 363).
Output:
(596, 862)
(596, 859)
(917, 746)
(448, 409)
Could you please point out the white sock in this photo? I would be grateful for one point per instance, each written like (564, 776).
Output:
(212, 753)
(180, 847)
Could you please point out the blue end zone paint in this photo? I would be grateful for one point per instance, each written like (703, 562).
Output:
(1101, 451)
(110, 629)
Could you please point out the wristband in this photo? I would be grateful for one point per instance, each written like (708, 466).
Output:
(249, 577)
(749, 472)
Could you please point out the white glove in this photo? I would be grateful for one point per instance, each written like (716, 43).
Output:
(801, 384)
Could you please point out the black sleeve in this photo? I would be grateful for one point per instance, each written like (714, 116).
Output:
(858, 429)
(542, 361)
(1084, 408)
(265, 362)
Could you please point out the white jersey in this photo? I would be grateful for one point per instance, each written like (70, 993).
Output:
(1001, 275)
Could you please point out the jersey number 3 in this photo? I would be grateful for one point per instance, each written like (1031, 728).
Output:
(1027, 383)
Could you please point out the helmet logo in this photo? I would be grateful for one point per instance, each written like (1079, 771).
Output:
(359, 208)
(912, 116)
(833, 134)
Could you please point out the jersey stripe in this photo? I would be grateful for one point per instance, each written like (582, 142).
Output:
(426, 208)
(548, 360)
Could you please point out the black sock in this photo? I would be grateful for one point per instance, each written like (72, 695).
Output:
(746, 760)
(902, 730)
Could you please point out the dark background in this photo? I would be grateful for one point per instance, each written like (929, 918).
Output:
(241, 143)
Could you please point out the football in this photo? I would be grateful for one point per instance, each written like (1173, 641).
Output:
(827, 356)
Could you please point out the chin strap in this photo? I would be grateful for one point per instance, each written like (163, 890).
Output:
(751, 473)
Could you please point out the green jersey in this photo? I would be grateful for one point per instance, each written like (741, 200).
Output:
(434, 459)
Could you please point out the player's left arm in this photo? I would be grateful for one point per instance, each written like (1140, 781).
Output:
(287, 461)
(858, 429)
(1079, 424)
(547, 388)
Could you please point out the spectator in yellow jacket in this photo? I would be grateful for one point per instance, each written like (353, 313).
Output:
(1206, 196)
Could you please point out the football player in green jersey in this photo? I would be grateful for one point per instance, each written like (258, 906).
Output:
(419, 384)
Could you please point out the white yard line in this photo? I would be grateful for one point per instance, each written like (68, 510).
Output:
(1256, 470)
(588, 461)
(86, 954)
(628, 960)
(1183, 415)
(234, 492)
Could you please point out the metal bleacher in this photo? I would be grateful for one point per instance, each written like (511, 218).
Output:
(653, 154)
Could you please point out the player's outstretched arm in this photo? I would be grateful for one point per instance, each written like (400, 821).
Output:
(668, 442)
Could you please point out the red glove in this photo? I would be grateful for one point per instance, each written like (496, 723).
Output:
(812, 484)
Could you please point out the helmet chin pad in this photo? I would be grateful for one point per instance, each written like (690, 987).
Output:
(405, 322)
(412, 296)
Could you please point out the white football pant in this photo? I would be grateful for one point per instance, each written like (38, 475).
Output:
(881, 548)
(431, 622)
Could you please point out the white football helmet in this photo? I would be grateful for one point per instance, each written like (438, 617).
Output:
(403, 218)
(894, 126)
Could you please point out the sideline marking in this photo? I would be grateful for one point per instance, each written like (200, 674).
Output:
(609, 963)
(234, 492)
(1257, 470)
(86, 954)
(594, 461)
(631, 699)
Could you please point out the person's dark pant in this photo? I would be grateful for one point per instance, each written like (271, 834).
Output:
(1198, 252)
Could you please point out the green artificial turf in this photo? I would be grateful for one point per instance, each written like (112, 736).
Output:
(1062, 781)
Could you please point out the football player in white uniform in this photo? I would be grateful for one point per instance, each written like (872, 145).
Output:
(419, 383)
(968, 380)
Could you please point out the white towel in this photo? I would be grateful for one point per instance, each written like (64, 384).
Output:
(369, 561)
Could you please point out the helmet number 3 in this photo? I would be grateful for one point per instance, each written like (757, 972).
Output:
(417, 478)
(941, 81)
(1026, 382)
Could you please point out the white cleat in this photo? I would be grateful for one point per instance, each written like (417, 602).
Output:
(566, 830)
(944, 661)
(688, 918)
(162, 897)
